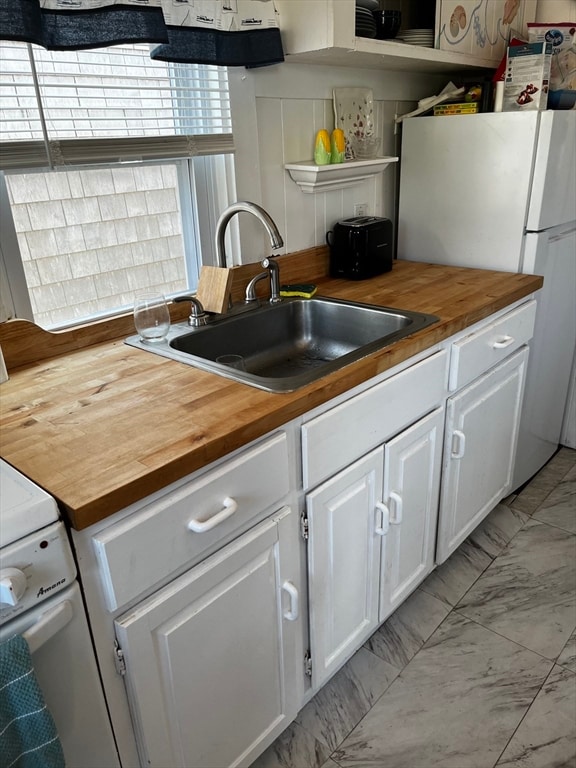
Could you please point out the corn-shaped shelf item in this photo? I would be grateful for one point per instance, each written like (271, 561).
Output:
(337, 146)
(322, 148)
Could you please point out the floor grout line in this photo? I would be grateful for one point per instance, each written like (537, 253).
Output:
(504, 637)
(524, 716)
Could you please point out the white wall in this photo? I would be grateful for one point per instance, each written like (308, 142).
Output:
(556, 10)
(278, 112)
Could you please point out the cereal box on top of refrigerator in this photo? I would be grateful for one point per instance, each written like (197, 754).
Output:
(527, 77)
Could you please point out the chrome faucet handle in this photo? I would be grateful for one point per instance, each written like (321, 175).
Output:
(198, 316)
(251, 287)
(274, 270)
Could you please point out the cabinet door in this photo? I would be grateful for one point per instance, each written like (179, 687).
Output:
(209, 668)
(412, 464)
(344, 563)
(479, 450)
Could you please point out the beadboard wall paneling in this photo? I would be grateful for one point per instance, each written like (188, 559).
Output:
(278, 111)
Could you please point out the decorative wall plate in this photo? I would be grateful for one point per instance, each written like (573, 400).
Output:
(353, 113)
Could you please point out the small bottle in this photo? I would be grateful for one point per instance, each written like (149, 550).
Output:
(322, 148)
(337, 146)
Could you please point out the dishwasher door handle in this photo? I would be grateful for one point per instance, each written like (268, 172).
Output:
(48, 625)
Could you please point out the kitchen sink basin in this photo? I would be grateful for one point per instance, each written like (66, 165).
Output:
(288, 345)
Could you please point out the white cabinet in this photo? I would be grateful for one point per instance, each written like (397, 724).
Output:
(192, 520)
(488, 367)
(491, 344)
(194, 595)
(371, 526)
(344, 551)
(323, 32)
(480, 446)
(203, 586)
(344, 433)
(482, 28)
(210, 664)
(372, 522)
(412, 464)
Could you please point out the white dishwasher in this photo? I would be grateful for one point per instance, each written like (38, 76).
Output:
(40, 599)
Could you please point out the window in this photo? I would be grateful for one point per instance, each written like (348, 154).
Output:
(115, 168)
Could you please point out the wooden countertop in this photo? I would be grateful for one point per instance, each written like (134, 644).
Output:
(104, 426)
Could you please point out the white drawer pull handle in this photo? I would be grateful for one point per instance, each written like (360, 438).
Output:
(382, 529)
(201, 526)
(503, 343)
(292, 614)
(397, 517)
(458, 444)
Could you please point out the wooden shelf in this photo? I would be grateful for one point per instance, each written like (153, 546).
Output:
(312, 178)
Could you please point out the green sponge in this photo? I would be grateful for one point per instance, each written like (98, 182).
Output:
(304, 290)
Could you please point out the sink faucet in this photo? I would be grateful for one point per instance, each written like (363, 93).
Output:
(262, 216)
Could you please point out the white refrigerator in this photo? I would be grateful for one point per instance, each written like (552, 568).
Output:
(498, 191)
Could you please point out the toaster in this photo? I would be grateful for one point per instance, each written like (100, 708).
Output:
(360, 247)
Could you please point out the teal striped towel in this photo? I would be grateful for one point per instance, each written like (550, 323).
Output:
(28, 737)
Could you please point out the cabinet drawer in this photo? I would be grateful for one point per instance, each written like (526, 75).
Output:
(486, 347)
(342, 435)
(156, 541)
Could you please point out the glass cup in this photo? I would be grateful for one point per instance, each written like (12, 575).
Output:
(151, 316)
(365, 147)
(232, 361)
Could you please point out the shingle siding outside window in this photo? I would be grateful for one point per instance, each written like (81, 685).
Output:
(85, 255)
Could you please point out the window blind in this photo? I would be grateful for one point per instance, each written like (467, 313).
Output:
(63, 108)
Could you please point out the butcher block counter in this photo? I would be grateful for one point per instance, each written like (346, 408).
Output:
(100, 425)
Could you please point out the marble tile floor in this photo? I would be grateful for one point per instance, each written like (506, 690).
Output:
(477, 669)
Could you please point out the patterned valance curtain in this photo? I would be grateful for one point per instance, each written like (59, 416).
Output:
(222, 32)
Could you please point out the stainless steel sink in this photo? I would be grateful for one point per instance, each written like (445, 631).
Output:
(288, 345)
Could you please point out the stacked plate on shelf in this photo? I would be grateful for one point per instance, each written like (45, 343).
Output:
(423, 37)
(365, 21)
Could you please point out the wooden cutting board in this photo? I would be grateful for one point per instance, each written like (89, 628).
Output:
(214, 286)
